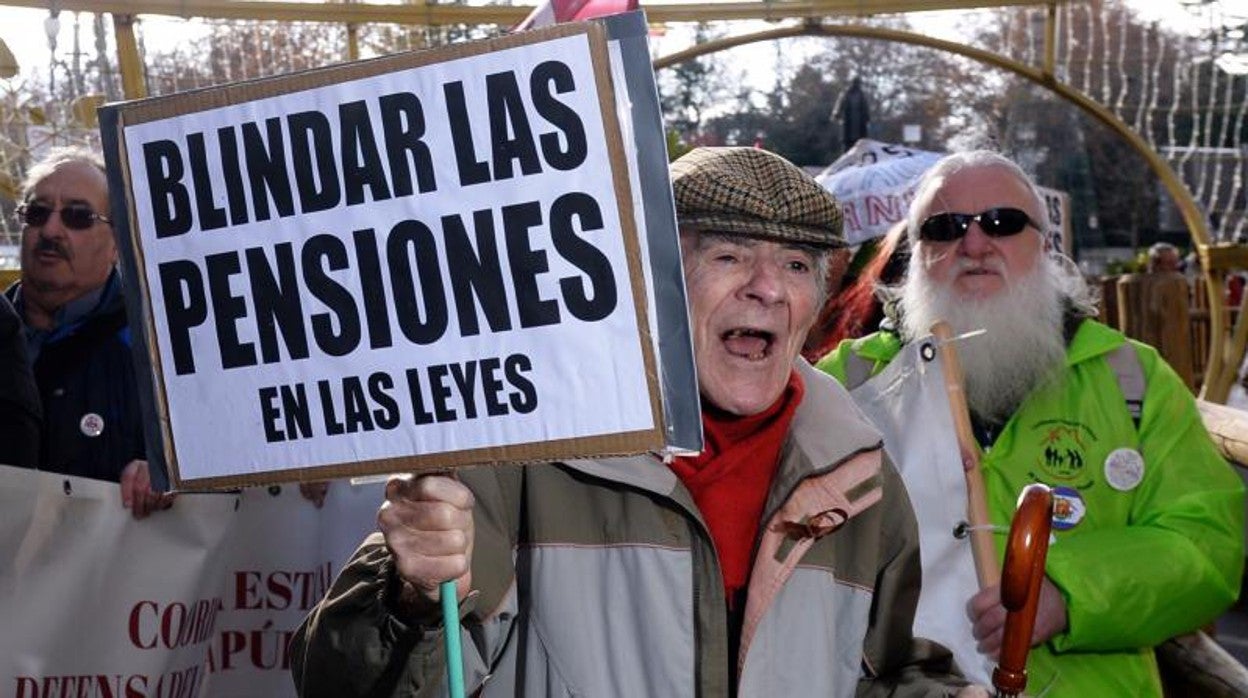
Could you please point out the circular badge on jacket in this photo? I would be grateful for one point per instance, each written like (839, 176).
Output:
(1068, 508)
(1124, 468)
(91, 424)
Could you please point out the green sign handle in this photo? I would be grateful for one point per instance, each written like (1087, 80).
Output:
(454, 652)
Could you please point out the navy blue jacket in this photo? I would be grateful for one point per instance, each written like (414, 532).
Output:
(19, 398)
(85, 372)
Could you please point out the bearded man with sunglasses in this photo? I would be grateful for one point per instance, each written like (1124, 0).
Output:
(1148, 522)
(77, 335)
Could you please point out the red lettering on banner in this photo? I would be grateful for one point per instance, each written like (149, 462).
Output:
(277, 590)
(232, 642)
(177, 625)
(849, 214)
(265, 648)
(883, 209)
(205, 618)
(179, 684)
(245, 589)
(135, 618)
(257, 647)
(279, 584)
(173, 625)
(104, 686)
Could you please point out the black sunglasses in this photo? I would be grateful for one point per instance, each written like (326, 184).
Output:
(74, 216)
(995, 222)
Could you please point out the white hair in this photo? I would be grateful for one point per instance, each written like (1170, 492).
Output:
(56, 157)
(935, 176)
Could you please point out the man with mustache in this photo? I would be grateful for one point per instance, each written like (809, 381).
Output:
(781, 561)
(1148, 521)
(77, 335)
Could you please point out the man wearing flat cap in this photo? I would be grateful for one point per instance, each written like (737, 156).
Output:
(781, 561)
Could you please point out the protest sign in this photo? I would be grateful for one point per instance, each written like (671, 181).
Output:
(1057, 220)
(875, 182)
(423, 260)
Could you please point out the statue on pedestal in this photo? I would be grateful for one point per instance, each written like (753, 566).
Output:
(854, 114)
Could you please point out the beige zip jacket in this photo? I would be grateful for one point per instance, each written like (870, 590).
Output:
(598, 578)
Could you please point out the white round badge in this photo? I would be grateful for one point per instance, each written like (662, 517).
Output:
(91, 424)
(1124, 468)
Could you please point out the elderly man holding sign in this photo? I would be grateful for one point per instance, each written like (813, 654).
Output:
(780, 561)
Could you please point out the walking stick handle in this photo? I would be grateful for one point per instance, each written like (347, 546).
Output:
(982, 548)
(1025, 554)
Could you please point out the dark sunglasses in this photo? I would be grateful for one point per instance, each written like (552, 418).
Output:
(74, 216)
(995, 222)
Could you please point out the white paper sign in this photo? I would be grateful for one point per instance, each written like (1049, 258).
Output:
(425, 261)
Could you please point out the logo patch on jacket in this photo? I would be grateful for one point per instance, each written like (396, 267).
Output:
(1062, 453)
(1068, 508)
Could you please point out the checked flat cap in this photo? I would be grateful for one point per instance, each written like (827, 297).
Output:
(752, 192)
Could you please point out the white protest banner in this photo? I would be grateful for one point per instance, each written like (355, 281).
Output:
(417, 261)
(875, 183)
(96, 604)
(281, 558)
(907, 403)
(195, 602)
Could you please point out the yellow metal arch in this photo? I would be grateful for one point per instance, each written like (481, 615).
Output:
(1216, 259)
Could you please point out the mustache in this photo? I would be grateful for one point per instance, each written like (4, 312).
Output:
(993, 264)
(49, 245)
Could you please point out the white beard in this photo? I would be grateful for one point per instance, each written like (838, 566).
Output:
(1023, 346)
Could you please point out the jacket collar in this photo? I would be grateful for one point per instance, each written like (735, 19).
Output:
(1090, 340)
(879, 346)
(825, 410)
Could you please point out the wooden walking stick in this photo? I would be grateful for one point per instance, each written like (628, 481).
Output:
(982, 548)
(1025, 553)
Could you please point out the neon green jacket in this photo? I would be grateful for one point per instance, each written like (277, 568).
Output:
(1136, 565)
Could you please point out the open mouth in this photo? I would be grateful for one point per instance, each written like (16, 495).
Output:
(748, 343)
